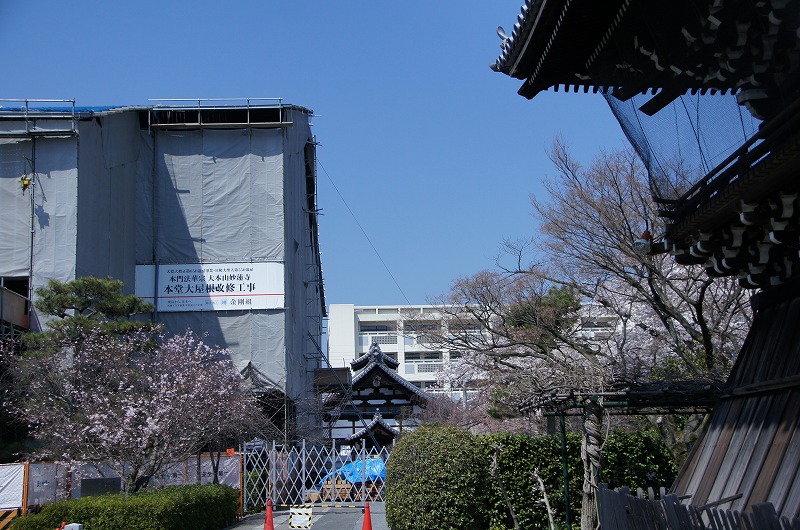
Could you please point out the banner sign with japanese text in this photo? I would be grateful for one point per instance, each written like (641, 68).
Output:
(212, 286)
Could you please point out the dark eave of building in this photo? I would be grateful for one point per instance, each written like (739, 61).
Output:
(376, 425)
(630, 47)
(743, 218)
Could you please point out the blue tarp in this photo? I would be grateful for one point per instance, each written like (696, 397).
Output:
(359, 471)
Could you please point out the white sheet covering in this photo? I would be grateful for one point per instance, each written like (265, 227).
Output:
(15, 213)
(12, 484)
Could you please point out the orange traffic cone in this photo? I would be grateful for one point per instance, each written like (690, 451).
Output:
(268, 524)
(367, 525)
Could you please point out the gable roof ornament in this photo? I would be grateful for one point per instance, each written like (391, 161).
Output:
(374, 355)
(377, 424)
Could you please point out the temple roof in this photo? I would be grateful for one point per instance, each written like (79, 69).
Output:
(670, 48)
(743, 217)
(376, 424)
(376, 364)
(373, 366)
(374, 355)
(258, 381)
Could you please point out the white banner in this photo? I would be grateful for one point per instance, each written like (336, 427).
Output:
(212, 286)
(180, 472)
(12, 484)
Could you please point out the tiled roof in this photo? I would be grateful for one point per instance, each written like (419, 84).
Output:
(377, 420)
(374, 354)
(394, 376)
(669, 49)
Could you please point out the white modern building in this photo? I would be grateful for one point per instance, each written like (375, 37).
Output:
(207, 209)
(400, 331)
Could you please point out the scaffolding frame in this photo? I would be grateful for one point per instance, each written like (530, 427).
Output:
(256, 113)
(30, 111)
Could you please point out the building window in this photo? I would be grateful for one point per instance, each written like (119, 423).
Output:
(411, 327)
(371, 328)
(422, 356)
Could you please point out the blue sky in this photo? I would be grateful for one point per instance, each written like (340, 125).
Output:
(434, 154)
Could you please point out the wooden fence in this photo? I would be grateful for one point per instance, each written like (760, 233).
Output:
(620, 510)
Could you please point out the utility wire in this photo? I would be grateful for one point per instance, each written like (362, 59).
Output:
(364, 232)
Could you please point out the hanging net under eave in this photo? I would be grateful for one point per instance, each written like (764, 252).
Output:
(685, 140)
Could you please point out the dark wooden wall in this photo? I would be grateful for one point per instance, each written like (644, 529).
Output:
(750, 451)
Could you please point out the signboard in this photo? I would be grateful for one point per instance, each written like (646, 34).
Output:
(300, 516)
(211, 286)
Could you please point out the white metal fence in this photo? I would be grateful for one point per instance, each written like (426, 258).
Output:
(306, 474)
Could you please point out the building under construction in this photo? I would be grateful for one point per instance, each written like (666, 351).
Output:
(206, 209)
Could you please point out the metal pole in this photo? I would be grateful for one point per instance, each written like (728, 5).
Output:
(363, 471)
(244, 475)
(33, 227)
(271, 487)
(565, 469)
(304, 472)
(333, 455)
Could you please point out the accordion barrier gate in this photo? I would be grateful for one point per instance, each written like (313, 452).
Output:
(310, 474)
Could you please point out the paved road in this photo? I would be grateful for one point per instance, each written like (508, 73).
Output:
(328, 518)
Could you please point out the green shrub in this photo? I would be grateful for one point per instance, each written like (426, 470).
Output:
(209, 507)
(436, 479)
(518, 457)
(637, 460)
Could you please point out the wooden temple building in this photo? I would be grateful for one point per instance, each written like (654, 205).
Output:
(738, 217)
(377, 404)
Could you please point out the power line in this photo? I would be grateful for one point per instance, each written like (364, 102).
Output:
(363, 232)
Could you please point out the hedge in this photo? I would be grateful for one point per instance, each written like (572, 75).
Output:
(637, 460)
(208, 507)
(634, 459)
(518, 457)
(436, 479)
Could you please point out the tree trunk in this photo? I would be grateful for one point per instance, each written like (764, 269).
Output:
(679, 440)
(590, 454)
(214, 457)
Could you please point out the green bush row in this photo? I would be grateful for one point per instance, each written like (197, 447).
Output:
(208, 507)
(518, 456)
(440, 477)
(435, 478)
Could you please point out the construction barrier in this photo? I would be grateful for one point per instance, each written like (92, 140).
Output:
(6, 516)
(13, 489)
(27, 485)
(306, 474)
(300, 516)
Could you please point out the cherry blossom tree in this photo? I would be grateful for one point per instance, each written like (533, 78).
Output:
(132, 404)
(589, 219)
(97, 389)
